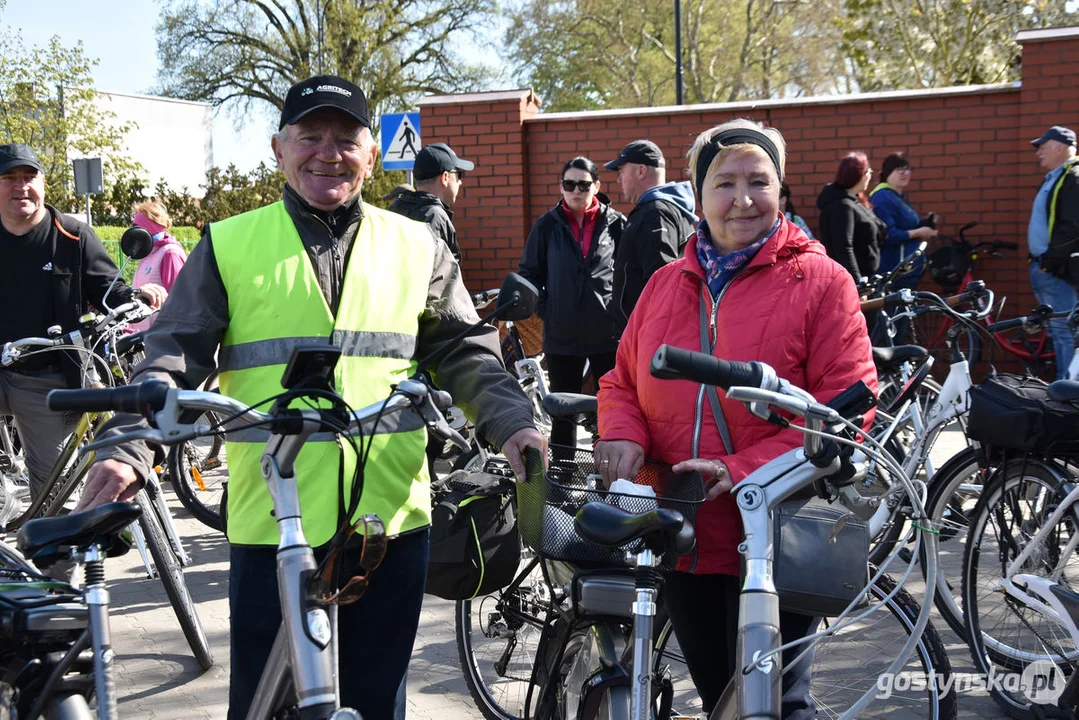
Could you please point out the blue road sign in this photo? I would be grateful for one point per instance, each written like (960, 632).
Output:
(400, 140)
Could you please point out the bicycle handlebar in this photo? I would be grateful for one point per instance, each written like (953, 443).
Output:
(143, 398)
(674, 363)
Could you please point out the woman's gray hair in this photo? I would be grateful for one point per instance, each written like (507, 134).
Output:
(705, 139)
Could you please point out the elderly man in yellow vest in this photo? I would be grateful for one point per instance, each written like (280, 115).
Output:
(321, 265)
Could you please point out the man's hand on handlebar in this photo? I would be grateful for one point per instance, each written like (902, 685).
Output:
(514, 449)
(153, 295)
(107, 481)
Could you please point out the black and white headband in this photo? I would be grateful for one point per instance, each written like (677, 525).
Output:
(734, 136)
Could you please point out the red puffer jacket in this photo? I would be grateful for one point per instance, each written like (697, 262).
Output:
(793, 308)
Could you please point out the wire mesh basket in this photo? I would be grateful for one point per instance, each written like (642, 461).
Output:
(548, 502)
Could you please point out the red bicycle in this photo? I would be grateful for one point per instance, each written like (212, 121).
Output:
(952, 266)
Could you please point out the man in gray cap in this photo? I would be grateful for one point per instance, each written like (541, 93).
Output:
(656, 229)
(52, 268)
(322, 267)
(1053, 235)
(439, 173)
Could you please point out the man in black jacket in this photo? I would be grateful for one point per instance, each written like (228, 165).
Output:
(1053, 235)
(656, 229)
(51, 269)
(438, 173)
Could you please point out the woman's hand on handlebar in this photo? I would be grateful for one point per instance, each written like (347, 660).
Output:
(923, 233)
(618, 459)
(107, 481)
(717, 479)
(153, 295)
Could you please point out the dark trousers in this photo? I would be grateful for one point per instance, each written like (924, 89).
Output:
(565, 375)
(704, 612)
(375, 634)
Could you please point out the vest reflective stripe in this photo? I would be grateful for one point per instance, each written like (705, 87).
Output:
(357, 344)
(397, 423)
(1056, 191)
(275, 304)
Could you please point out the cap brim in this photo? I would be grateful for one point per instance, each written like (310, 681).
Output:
(1038, 142)
(616, 163)
(300, 116)
(465, 165)
(20, 162)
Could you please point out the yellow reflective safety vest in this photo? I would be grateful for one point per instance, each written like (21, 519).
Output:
(275, 304)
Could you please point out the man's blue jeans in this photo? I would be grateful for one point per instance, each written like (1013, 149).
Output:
(1051, 290)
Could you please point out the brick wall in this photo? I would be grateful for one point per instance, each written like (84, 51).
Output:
(970, 147)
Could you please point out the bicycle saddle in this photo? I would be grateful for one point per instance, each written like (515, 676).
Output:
(888, 359)
(562, 404)
(45, 540)
(1064, 391)
(660, 529)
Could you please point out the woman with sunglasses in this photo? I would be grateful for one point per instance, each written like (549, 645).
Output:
(906, 229)
(569, 257)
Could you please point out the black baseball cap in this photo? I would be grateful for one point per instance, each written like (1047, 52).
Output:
(15, 155)
(1058, 133)
(324, 91)
(644, 152)
(433, 160)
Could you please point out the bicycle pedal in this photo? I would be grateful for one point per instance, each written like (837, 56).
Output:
(211, 464)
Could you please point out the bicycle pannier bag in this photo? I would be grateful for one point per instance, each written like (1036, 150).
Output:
(475, 547)
(1013, 412)
(818, 570)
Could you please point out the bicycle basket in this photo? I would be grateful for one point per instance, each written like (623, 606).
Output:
(947, 266)
(549, 501)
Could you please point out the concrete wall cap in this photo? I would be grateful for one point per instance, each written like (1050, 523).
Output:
(1057, 33)
(480, 97)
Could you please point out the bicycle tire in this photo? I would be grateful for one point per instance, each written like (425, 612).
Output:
(949, 508)
(1007, 489)
(930, 654)
(172, 577)
(199, 486)
(509, 624)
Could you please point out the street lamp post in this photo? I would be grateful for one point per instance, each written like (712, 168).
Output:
(678, 97)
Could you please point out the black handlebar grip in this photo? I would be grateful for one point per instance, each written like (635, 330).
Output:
(138, 398)
(1005, 325)
(674, 363)
(894, 300)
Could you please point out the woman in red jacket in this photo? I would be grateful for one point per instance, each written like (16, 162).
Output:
(763, 291)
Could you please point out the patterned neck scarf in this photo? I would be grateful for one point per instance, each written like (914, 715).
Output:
(720, 269)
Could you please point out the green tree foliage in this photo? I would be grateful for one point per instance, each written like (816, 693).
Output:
(246, 53)
(47, 102)
(583, 54)
(935, 43)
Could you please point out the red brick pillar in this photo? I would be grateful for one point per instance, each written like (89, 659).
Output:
(492, 214)
(1048, 94)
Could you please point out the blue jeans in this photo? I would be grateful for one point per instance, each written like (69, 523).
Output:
(1051, 290)
(376, 633)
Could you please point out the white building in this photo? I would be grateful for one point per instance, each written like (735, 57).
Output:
(171, 139)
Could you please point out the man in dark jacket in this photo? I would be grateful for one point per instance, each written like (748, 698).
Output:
(52, 268)
(438, 172)
(656, 229)
(1053, 235)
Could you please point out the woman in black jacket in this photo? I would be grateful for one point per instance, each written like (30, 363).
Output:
(851, 233)
(569, 256)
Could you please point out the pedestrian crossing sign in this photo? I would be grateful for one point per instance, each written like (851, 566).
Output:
(400, 140)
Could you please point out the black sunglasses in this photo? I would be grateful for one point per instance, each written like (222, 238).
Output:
(582, 185)
(459, 173)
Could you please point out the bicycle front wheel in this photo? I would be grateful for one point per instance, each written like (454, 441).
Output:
(172, 577)
(497, 640)
(1002, 626)
(850, 662)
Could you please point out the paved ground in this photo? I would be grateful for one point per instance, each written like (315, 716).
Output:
(157, 677)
